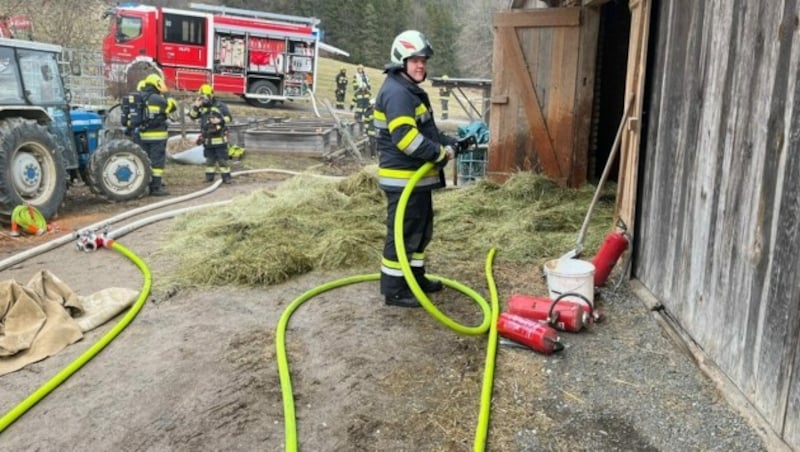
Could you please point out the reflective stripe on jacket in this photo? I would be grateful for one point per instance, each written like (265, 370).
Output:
(407, 135)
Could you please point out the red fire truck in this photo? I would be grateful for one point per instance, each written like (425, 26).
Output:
(16, 26)
(260, 56)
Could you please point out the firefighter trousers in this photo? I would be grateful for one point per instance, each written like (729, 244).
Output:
(417, 234)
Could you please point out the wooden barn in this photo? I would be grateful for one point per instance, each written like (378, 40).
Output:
(707, 110)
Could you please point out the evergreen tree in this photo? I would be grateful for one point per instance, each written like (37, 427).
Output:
(443, 33)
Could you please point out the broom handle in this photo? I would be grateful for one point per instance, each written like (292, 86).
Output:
(603, 177)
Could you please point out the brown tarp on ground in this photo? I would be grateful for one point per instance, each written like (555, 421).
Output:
(36, 320)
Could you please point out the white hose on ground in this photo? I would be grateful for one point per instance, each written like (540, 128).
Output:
(64, 239)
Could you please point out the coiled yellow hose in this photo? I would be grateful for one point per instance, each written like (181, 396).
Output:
(489, 323)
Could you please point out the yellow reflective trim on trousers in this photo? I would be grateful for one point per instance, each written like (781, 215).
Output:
(158, 172)
(401, 120)
(391, 264)
(404, 174)
(407, 139)
(160, 134)
(394, 265)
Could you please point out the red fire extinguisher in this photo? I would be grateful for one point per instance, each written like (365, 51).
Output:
(560, 313)
(538, 336)
(612, 248)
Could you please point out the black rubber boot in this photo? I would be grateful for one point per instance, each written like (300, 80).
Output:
(209, 177)
(430, 285)
(226, 178)
(403, 300)
(156, 188)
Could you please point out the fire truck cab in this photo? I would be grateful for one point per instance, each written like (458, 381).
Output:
(262, 57)
(16, 27)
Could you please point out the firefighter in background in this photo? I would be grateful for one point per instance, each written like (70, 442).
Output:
(341, 88)
(444, 97)
(369, 123)
(153, 131)
(362, 91)
(214, 118)
(407, 139)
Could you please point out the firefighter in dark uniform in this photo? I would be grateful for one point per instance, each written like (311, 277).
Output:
(214, 118)
(341, 88)
(153, 132)
(362, 91)
(407, 138)
(444, 98)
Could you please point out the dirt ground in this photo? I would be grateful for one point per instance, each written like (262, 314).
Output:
(196, 369)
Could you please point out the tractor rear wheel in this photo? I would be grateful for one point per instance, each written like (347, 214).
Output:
(120, 171)
(32, 169)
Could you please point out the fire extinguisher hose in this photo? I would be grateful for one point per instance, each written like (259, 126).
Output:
(96, 348)
(489, 324)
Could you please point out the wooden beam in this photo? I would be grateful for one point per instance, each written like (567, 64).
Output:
(515, 61)
(634, 87)
(594, 3)
(543, 17)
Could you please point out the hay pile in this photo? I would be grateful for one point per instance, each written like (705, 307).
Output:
(311, 224)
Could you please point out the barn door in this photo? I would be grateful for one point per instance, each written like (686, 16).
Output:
(542, 87)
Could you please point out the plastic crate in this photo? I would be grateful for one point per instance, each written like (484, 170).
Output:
(472, 165)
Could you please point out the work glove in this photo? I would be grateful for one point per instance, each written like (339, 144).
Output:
(199, 140)
(451, 153)
(465, 143)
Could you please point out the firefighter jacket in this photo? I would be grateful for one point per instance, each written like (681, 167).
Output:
(205, 109)
(154, 127)
(341, 82)
(407, 135)
(214, 134)
(361, 84)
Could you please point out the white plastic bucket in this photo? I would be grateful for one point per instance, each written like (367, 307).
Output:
(570, 275)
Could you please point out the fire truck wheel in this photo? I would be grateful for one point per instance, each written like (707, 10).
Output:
(32, 169)
(263, 87)
(120, 171)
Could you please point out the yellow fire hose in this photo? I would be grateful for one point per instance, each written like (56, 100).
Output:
(29, 219)
(74, 366)
(489, 323)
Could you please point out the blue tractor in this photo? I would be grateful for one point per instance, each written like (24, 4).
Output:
(47, 146)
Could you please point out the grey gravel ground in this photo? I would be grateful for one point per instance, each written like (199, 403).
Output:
(641, 390)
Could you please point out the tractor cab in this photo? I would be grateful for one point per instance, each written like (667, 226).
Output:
(45, 144)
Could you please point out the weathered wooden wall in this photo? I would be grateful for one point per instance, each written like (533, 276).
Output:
(542, 89)
(718, 227)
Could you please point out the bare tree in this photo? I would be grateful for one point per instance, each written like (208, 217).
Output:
(477, 36)
(70, 23)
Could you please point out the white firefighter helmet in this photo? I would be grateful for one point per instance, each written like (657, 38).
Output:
(410, 43)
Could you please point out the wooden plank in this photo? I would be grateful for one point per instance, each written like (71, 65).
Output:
(502, 138)
(536, 125)
(542, 17)
(594, 3)
(560, 108)
(634, 85)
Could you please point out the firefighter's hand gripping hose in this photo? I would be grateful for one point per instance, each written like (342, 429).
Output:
(73, 367)
(489, 323)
